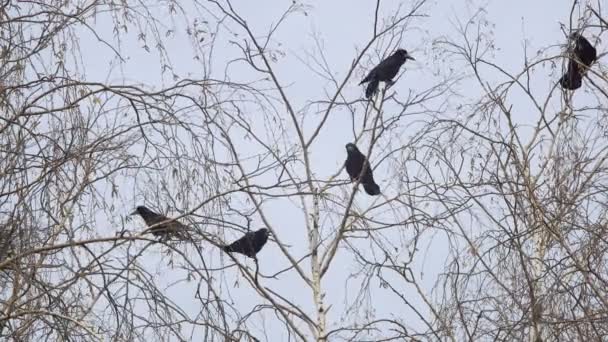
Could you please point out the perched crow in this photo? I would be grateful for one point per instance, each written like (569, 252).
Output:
(250, 244)
(354, 165)
(167, 226)
(583, 54)
(385, 71)
(572, 79)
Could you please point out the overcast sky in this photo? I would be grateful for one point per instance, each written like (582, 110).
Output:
(344, 27)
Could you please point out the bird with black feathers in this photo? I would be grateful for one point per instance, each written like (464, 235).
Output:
(582, 55)
(161, 225)
(250, 244)
(354, 165)
(385, 71)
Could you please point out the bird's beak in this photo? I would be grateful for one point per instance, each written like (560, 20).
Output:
(134, 212)
(410, 57)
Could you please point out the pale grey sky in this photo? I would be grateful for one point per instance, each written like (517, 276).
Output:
(344, 26)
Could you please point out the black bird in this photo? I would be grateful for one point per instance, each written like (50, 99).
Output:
(385, 71)
(354, 165)
(163, 226)
(583, 54)
(572, 79)
(250, 244)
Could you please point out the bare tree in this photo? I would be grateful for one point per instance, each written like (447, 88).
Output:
(71, 148)
(488, 227)
(529, 229)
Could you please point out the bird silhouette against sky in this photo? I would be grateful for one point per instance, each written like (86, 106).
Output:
(250, 244)
(582, 55)
(354, 164)
(385, 71)
(162, 226)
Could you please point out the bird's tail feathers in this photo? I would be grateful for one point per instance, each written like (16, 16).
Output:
(372, 87)
(571, 81)
(227, 249)
(372, 189)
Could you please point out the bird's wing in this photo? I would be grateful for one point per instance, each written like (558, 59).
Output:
(370, 76)
(368, 177)
(241, 245)
(352, 167)
(153, 218)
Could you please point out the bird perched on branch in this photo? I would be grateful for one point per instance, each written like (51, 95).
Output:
(250, 244)
(582, 55)
(161, 225)
(385, 71)
(354, 165)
